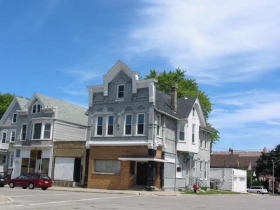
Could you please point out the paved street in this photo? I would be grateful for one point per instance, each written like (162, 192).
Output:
(60, 200)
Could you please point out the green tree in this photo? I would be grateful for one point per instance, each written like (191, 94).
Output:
(186, 87)
(264, 163)
(5, 100)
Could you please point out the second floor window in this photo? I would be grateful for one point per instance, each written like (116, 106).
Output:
(99, 126)
(193, 132)
(120, 91)
(23, 132)
(128, 122)
(140, 123)
(110, 128)
(182, 132)
(13, 136)
(14, 118)
(4, 137)
(41, 130)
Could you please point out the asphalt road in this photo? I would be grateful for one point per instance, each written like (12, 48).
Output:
(61, 200)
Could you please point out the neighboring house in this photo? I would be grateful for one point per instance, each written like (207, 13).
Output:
(140, 136)
(229, 179)
(8, 133)
(235, 159)
(50, 138)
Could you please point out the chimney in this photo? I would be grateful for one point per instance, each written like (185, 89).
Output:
(174, 90)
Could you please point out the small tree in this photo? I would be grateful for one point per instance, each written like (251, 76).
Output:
(5, 100)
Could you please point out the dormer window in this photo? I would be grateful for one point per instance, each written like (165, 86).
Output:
(36, 108)
(14, 118)
(120, 91)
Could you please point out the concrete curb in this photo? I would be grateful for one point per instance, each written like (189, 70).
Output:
(116, 192)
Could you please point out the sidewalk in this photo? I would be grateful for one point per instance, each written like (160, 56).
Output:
(131, 192)
(3, 200)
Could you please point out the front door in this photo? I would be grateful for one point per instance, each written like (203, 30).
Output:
(141, 178)
(38, 166)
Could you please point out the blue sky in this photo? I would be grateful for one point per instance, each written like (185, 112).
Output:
(231, 48)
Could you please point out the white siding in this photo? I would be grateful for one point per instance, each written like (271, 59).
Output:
(67, 132)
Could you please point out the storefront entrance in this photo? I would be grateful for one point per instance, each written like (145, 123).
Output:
(35, 163)
(141, 177)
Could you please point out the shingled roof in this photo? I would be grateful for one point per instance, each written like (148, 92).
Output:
(235, 159)
(65, 111)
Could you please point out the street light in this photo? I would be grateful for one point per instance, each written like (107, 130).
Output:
(273, 174)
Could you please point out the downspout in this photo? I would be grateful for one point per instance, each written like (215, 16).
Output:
(176, 141)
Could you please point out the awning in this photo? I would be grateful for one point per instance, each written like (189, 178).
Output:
(141, 159)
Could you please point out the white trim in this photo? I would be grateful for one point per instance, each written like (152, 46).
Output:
(107, 124)
(119, 143)
(141, 159)
(13, 130)
(118, 91)
(96, 124)
(140, 134)
(170, 160)
(43, 123)
(6, 132)
(33, 146)
(13, 118)
(124, 129)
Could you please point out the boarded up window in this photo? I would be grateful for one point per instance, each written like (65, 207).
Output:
(64, 168)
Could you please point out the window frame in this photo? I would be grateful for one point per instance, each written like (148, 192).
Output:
(2, 137)
(42, 131)
(180, 173)
(125, 124)
(159, 126)
(107, 126)
(193, 134)
(21, 131)
(118, 91)
(96, 127)
(38, 108)
(13, 131)
(201, 139)
(137, 118)
(95, 171)
(182, 130)
(14, 114)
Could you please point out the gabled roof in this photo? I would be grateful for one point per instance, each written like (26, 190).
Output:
(21, 102)
(64, 110)
(17, 100)
(184, 106)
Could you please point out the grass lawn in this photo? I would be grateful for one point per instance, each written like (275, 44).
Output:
(210, 192)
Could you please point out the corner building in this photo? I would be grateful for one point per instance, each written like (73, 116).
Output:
(133, 134)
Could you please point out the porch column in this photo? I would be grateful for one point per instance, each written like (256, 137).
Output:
(151, 176)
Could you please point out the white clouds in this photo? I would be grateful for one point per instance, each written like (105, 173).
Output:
(252, 107)
(215, 41)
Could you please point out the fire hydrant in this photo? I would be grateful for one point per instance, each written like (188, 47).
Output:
(195, 188)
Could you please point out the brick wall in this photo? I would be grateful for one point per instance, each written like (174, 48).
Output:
(121, 181)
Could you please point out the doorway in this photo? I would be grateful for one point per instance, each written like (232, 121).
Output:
(141, 178)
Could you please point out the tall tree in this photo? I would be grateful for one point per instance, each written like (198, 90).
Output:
(264, 164)
(5, 100)
(186, 87)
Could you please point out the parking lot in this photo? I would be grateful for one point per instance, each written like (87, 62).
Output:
(52, 199)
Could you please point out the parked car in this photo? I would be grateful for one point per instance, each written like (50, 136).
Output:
(3, 179)
(31, 180)
(257, 189)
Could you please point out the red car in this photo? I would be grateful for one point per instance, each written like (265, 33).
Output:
(31, 180)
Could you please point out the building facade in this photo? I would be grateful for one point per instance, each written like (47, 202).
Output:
(140, 136)
(49, 138)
